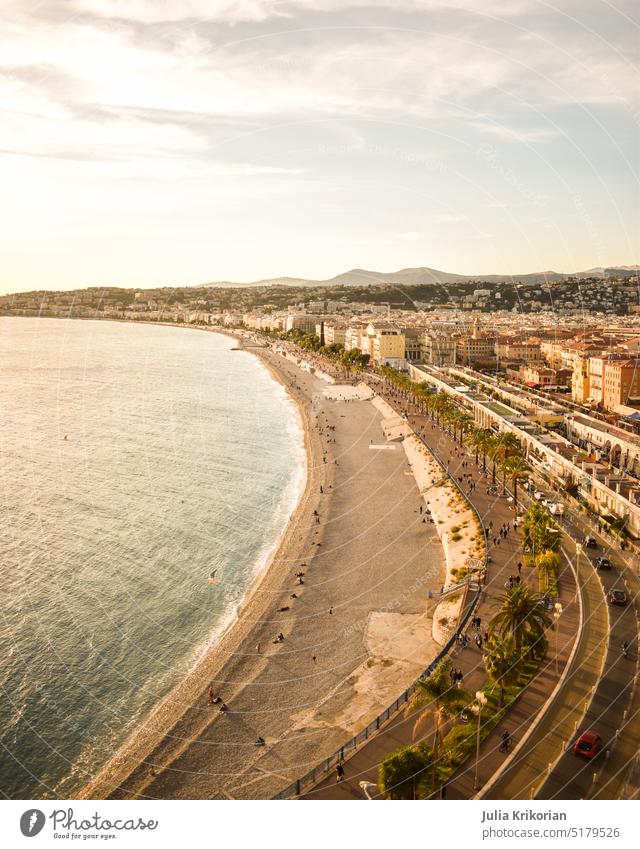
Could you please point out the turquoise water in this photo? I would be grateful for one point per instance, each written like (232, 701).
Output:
(180, 457)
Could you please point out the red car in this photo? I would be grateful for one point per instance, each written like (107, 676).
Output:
(588, 744)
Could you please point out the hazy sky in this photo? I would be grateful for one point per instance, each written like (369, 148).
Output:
(148, 142)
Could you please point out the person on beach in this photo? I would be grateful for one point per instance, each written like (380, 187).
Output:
(212, 696)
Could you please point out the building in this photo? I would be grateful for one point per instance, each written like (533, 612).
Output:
(534, 375)
(301, 321)
(621, 385)
(334, 333)
(385, 344)
(412, 344)
(353, 336)
(581, 380)
(518, 350)
(438, 349)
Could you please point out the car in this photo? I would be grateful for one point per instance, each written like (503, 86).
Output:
(538, 495)
(603, 563)
(588, 744)
(555, 508)
(590, 542)
(618, 597)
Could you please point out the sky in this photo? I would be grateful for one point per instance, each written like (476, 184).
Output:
(175, 142)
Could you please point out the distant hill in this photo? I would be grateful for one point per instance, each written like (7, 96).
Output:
(423, 276)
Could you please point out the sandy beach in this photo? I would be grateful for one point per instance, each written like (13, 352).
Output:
(355, 631)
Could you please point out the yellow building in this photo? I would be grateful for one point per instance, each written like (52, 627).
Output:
(385, 344)
(580, 380)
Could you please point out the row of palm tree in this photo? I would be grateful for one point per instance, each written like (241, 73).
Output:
(503, 450)
(517, 637)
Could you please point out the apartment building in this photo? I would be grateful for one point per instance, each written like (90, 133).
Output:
(413, 344)
(438, 349)
(353, 336)
(301, 321)
(621, 384)
(385, 344)
(334, 333)
(470, 349)
(518, 350)
(538, 375)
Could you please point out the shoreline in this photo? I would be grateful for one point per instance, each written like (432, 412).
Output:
(158, 724)
(176, 724)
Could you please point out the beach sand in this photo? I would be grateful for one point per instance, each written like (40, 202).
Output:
(369, 565)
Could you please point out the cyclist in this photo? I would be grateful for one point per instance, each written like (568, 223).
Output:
(506, 741)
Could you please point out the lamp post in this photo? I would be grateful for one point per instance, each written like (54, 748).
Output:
(481, 701)
(557, 613)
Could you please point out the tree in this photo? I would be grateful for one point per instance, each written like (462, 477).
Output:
(522, 615)
(539, 532)
(401, 773)
(514, 469)
(503, 662)
(436, 697)
(484, 440)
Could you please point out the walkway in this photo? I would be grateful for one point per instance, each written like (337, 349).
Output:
(363, 765)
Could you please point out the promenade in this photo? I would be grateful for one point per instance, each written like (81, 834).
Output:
(363, 765)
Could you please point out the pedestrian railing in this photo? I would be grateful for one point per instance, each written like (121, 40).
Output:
(297, 787)
(311, 778)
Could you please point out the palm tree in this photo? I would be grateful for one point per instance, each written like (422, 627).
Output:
(493, 449)
(514, 469)
(465, 422)
(503, 662)
(483, 438)
(539, 532)
(522, 615)
(548, 564)
(476, 436)
(437, 697)
(401, 773)
(440, 405)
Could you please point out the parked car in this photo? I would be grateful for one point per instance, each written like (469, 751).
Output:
(618, 597)
(588, 744)
(590, 542)
(538, 495)
(556, 509)
(603, 563)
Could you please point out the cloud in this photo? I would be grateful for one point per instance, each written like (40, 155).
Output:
(447, 218)
(410, 236)
(245, 11)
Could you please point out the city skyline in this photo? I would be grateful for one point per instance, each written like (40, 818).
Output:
(146, 146)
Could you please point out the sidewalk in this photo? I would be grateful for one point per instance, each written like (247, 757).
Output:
(363, 765)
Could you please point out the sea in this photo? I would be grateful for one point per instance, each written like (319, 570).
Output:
(135, 460)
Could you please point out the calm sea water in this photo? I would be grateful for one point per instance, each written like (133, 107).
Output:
(134, 460)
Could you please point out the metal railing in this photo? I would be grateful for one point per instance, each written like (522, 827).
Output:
(318, 772)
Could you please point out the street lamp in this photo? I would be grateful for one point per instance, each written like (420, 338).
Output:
(480, 702)
(557, 613)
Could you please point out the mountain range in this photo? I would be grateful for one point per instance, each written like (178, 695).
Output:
(422, 276)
